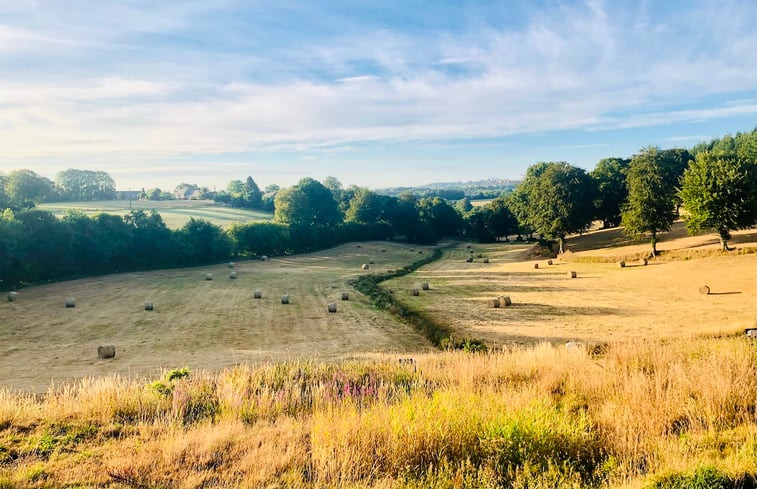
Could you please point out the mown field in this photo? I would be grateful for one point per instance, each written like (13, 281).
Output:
(202, 324)
(310, 399)
(604, 303)
(175, 213)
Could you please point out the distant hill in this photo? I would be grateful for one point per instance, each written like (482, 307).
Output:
(481, 189)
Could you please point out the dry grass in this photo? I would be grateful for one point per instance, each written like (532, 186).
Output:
(198, 323)
(536, 417)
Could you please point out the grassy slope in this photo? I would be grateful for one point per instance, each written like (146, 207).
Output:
(175, 213)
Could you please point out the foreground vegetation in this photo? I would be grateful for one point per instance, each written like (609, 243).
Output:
(628, 415)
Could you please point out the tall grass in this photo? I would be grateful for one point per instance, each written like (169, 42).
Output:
(679, 414)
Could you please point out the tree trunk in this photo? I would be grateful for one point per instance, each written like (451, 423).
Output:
(654, 244)
(723, 243)
(561, 240)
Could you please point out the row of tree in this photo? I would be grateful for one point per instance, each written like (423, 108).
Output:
(715, 184)
(23, 189)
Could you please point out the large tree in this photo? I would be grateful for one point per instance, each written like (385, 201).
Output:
(25, 188)
(560, 201)
(612, 191)
(651, 206)
(308, 203)
(80, 185)
(719, 194)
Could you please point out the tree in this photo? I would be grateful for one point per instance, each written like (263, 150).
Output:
(309, 204)
(719, 194)
(612, 191)
(560, 201)
(83, 185)
(503, 222)
(366, 207)
(442, 217)
(651, 197)
(203, 241)
(252, 194)
(25, 188)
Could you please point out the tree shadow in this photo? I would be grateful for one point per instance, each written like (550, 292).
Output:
(724, 293)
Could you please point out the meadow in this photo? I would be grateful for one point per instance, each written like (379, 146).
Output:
(658, 389)
(175, 213)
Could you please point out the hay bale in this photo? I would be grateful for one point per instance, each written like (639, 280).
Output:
(468, 246)
(208, 276)
(751, 332)
(704, 290)
(493, 303)
(536, 266)
(573, 345)
(420, 252)
(359, 246)
(70, 302)
(149, 306)
(480, 255)
(504, 301)
(621, 264)
(370, 262)
(12, 296)
(232, 275)
(572, 274)
(264, 258)
(257, 294)
(285, 299)
(332, 307)
(486, 260)
(425, 286)
(364, 266)
(469, 259)
(412, 249)
(231, 264)
(415, 292)
(106, 351)
(345, 296)
(383, 250)
(549, 262)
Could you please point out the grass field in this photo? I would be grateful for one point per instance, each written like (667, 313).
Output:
(604, 302)
(175, 213)
(198, 323)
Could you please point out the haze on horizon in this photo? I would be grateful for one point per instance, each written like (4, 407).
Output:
(376, 94)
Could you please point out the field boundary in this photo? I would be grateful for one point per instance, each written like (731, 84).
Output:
(439, 334)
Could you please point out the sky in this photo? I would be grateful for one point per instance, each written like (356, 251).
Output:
(377, 94)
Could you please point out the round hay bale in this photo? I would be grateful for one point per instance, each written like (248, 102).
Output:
(231, 264)
(364, 266)
(425, 286)
(549, 262)
(573, 345)
(359, 246)
(208, 276)
(257, 294)
(644, 261)
(383, 250)
(493, 303)
(572, 274)
(12, 296)
(390, 271)
(504, 301)
(621, 264)
(469, 259)
(415, 292)
(370, 262)
(332, 307)
(285, 299)
(486, 260)
(704, 290)
(412, 249)
(345, 296)
(232, 275)
(536, 266)
(149, 306)
(420, 252)
(106, 351)
(468, 246)
(480, 255)
(70, 302)
(264, 258)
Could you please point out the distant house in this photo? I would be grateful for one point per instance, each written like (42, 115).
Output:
(187, 192)
(128, 194)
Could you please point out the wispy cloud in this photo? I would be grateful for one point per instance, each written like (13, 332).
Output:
(221, 77)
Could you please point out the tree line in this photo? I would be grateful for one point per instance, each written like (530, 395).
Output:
(713, 185)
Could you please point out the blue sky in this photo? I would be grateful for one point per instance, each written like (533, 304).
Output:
(374, 93)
